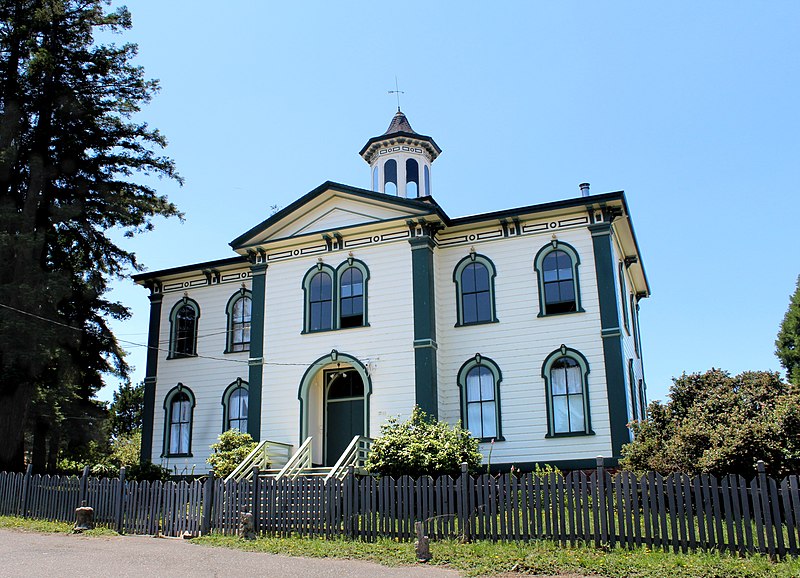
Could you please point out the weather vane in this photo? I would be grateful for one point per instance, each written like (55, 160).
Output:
(398, 92)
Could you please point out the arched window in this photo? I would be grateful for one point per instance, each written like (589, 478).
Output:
(632, 390)
(390, 177)
(234, 406)
(557, 270)
(427, 173)
(318, 288)
(479, 381)
(623, 296)
(412, 179)
(565, 373)
(352, 278)
(183, 328)
(474, 278)
(239, 309)
(178, 413)
(375, 183)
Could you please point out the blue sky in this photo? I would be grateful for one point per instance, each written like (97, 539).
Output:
(690, 108)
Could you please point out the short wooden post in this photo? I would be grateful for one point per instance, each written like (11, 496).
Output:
(254, 502)
(349, 502)
(463, 501)
(602, 504)
(119, 506)
(83, 487)
(208, 504)
(26, 483)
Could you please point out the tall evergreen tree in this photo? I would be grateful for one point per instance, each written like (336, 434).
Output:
(126, 409)
(70, 155)
(788, 342)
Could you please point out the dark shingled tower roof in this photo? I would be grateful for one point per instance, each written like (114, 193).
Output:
(399, 131)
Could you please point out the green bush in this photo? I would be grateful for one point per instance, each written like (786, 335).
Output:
(147, 471)
(233, 447)
(422, 446)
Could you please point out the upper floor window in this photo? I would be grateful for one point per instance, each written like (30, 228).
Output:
(557, 270)
(412, 179)
(426, 172)
(623, 296)
(565, 372)
(479, 381)
(390, 177)
(632, 389)
(234, 404)
(179, 408)
(474, 278)
(183, 328)
(336, 298)
(239, 310)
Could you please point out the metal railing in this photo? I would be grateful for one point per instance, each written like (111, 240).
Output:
(267, 454)
(354, 455)
(299, 462)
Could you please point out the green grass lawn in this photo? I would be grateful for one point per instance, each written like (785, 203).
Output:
(537, 558)
(28, 525)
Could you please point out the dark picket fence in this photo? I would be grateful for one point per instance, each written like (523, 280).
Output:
(672, 512)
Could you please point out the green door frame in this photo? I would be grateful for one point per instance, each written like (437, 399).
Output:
(326, 401)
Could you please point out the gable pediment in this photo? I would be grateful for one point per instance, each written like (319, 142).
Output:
(330, 208)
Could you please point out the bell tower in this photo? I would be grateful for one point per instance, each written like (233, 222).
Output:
(400, 160)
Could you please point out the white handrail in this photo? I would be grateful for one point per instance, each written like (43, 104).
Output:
(267, 453)
(300, 461)
(354, 455)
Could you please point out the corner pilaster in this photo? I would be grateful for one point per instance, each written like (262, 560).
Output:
(611, 335)
(256, 361)
(425, 364)
(150, 380)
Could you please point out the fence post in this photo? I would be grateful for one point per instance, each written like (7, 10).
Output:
(254, 503)
(26, 482)
(463, 501)
(602, 504)
(83, 487)
(208, 504)
(351, 490)
(119, 516)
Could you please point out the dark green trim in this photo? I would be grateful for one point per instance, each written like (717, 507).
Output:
(226, 400)
(476, 361)
(310, 274)
(428, 205)
(172, 328)
(344, 266)
(198, 267)
(612, 342)
(424, 303)
(240, 294)
(256, 369)
(151, 378)
(564, 465)
(458, 271)
(180, 388)
(565, 351)
(312, 371)
(632, 390)
(576, 261)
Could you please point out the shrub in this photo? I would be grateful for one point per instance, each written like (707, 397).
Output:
(422, 446)
(147, 471)
(232, 447)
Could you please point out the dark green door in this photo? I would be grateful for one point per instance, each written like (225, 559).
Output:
(344, 411)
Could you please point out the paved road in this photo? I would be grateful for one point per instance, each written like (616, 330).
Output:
(29, 555)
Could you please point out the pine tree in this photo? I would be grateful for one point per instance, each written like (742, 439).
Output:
(71, 157)
(788, 342)
(126, 409)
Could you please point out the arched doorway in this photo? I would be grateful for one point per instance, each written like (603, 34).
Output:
(334, 405)
(344, 411)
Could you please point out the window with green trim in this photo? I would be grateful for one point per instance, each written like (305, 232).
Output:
(565, 372)
(632, 389)
(318, 288)
(642, 399)
(635, 317)
(352, 277)
(474, 278)
(556, 267)
(239, 311)
(623, 296)
(178, 415)
(183, 328)
(479, 381)
(234, 406)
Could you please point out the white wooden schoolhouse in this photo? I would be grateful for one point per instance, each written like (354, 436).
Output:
(350, 306)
